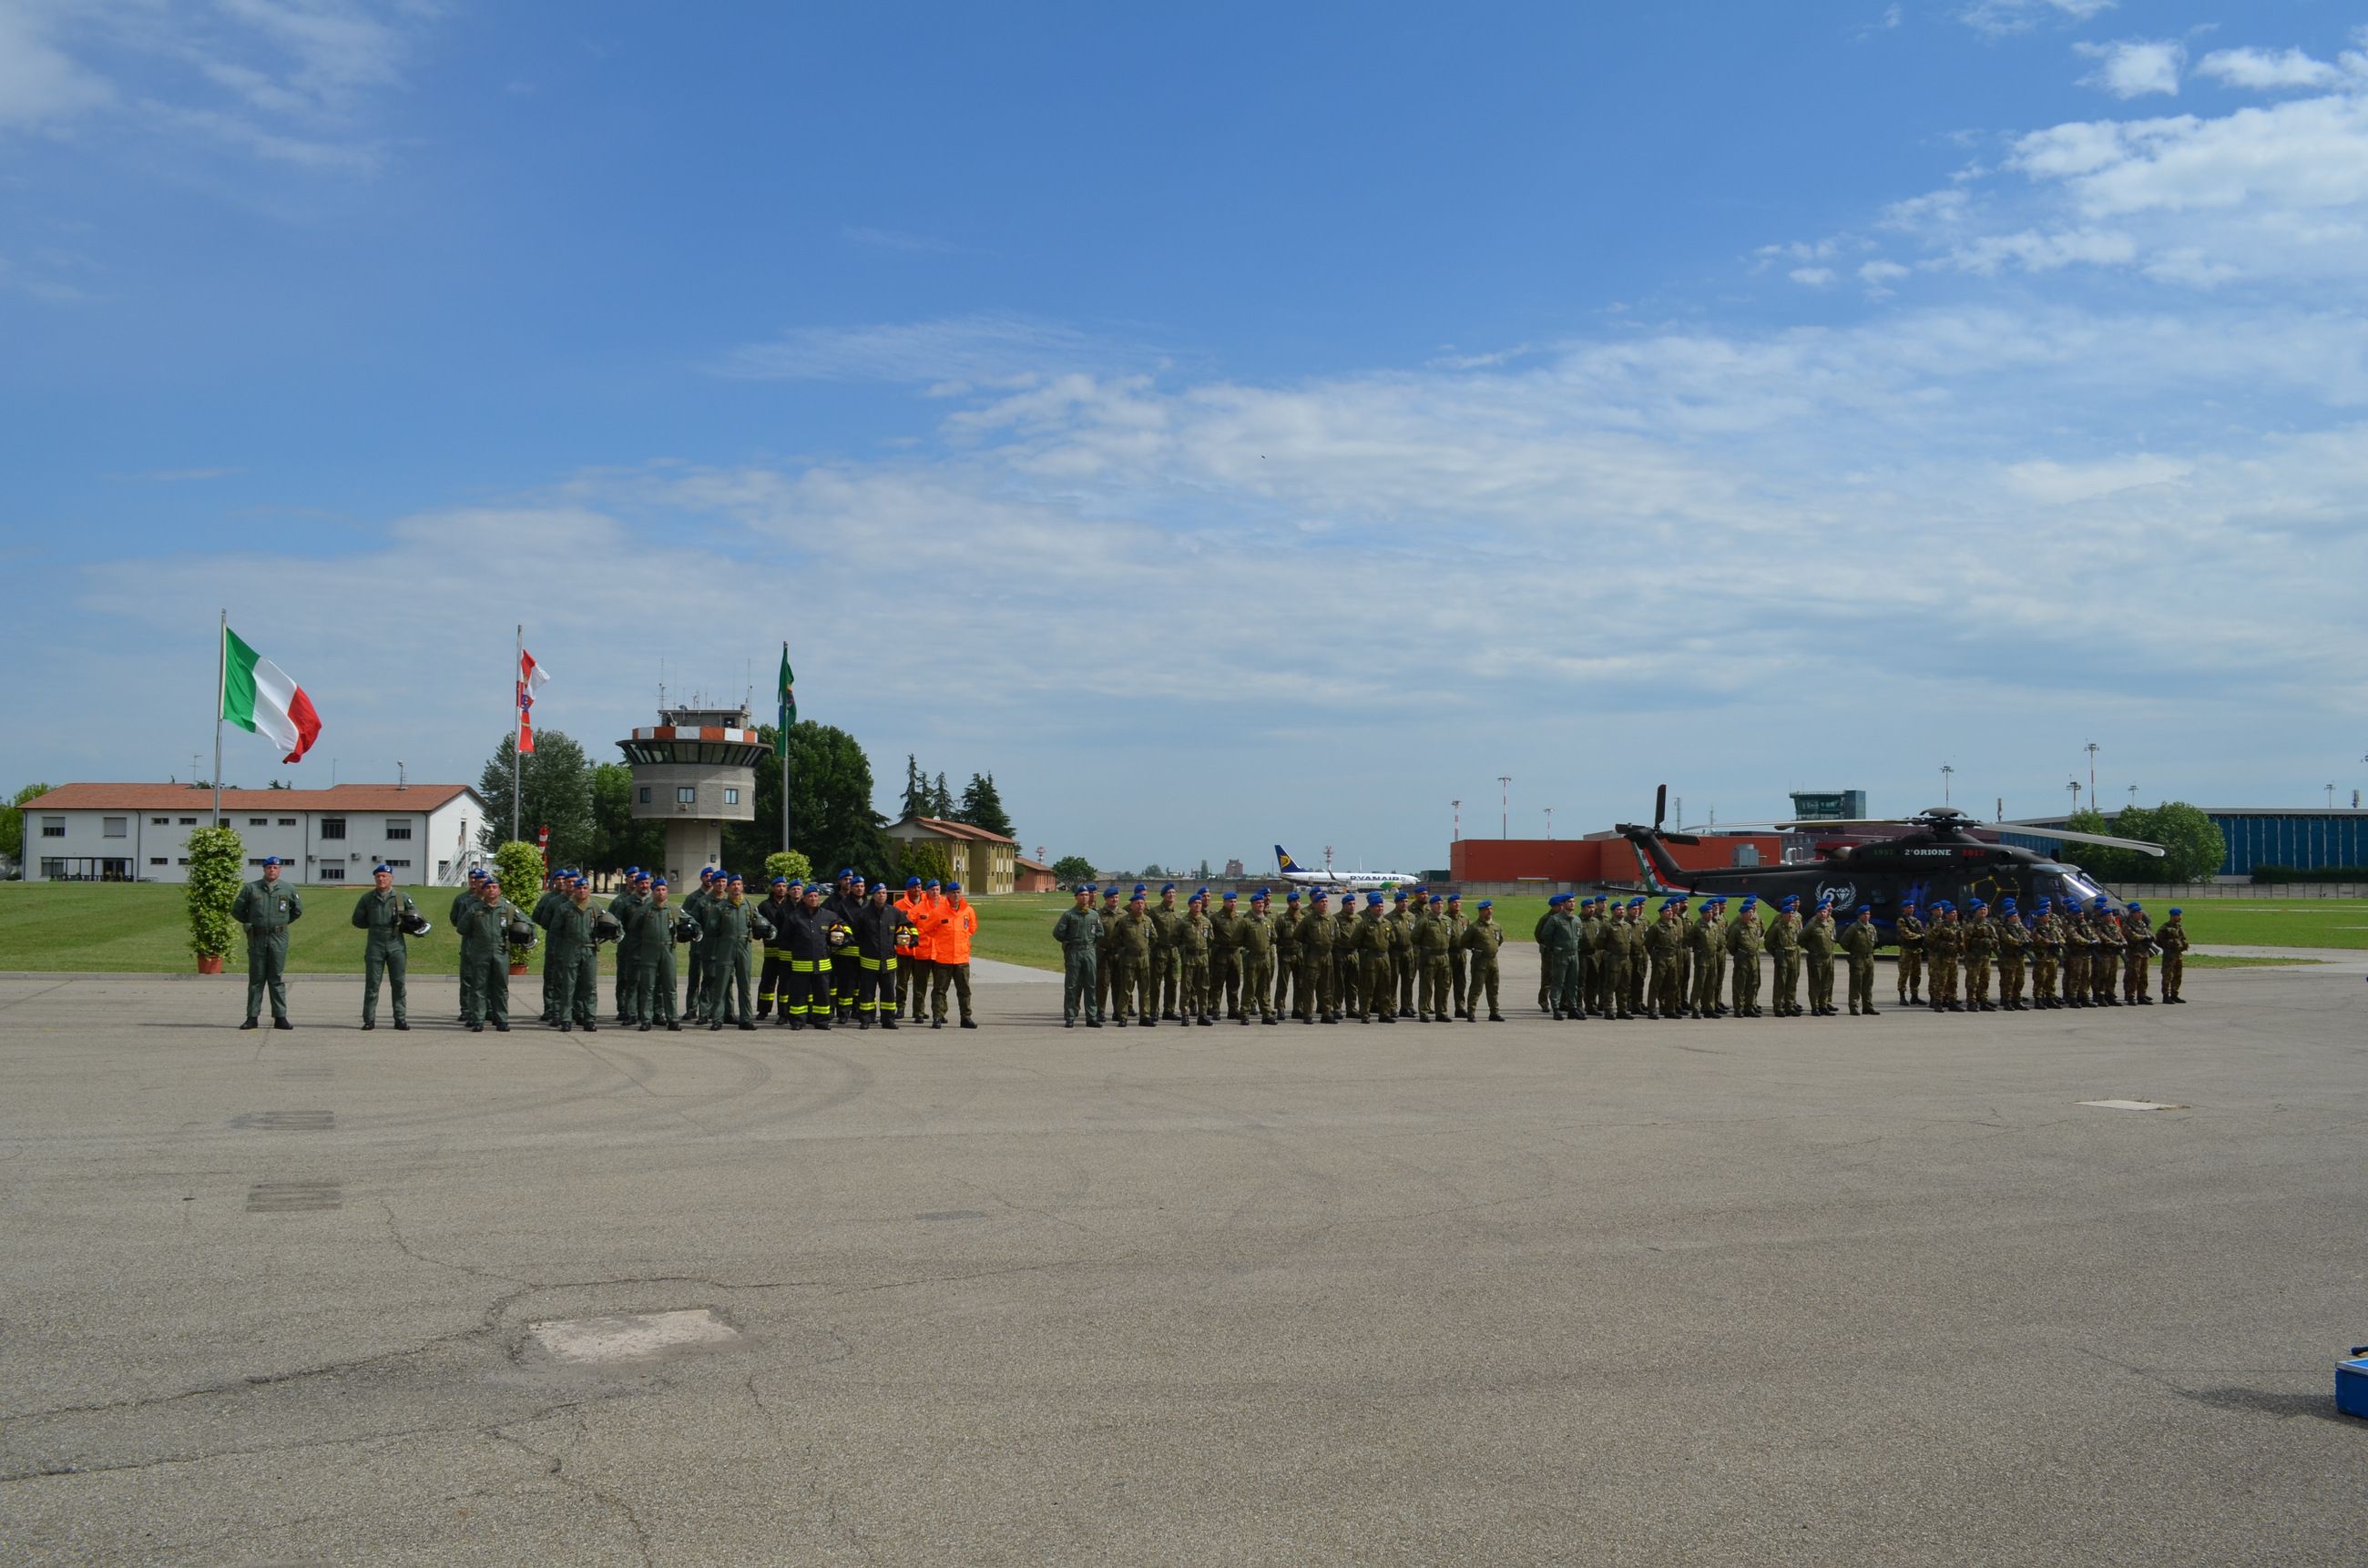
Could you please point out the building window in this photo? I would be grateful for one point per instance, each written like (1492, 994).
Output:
(53, 827)
(398, 827)
(115, 827)
(398, 865)
(155, 859)
(188, 822)
(645, 794)
(731, 795)
(329, 871)
(182, 861)
(685, 795)
(160, 821)
(258, 822)
(333, 827)
(288, 822)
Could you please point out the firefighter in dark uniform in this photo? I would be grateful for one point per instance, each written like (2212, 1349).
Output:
(882, 931)
(773, 979)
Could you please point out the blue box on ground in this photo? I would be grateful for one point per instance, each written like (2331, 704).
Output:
(2351, 1383)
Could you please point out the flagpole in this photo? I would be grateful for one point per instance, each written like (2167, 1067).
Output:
(222, 683)
(518, 763)
(781, 719)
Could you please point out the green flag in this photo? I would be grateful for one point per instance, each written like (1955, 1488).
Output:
(789, 716)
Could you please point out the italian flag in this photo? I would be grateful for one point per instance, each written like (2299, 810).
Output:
(258, 696)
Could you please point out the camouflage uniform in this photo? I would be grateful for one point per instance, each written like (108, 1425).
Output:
(2105, 968)
(1377, 987)
(1981, 943)
(1593, 962)
(2172, 940)
(1481, 941)
(1130, 956)
(2139, 930)
(2079, 942)
(1319, 999)
(1196, 938)
(1664, 940)
(1943, 943)
(2014, 946)
(1785, 954)
(2047, 958)
(1818, 940)
(1858, 940)
(1634, 949)
(1910, 929)
(1432, 939)
(1106, 961)
(1286, 958)
(1459, 961)
(1347, 986)
(1400, 920)
(1224, 965)
(1704, 943)
(1254, 942)
(1167, 958)
(1559, 957)
(1744, 940)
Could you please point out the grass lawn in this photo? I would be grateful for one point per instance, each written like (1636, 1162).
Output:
(141, 927)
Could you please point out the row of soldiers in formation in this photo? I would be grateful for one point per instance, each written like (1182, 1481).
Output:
(1598, 957)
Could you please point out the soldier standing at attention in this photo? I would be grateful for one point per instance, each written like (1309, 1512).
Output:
(1401, 928)
(1286, 955)
(954, 923)
(2139, 931)
(574, 959)
(773, 979)
(2105, 968)
(694, 999)
(1743, 943)
(1482, 940)
(1319, 1002)
(1253, 937)
(1785, 953)
(1225, 963)
(647, 956)
(1560, 958)
(1105, 961)
(1910, 929)
(1080, 933)
(1459, 980)
(1684, 961)
(1943, 943)
(484, 955)
(1345, 977)
(2014, 944)
(726, 940)
(2047, 953)
(383, 913)
(554, 898)
(1981, 945)
(1545, 969)
(1198, 938)
(2079, 941)
(1818, 941)
(1167, 957)
(461, 900)
(1859, 942)
(1637, 967)
(1662, 940)
(267, 907)
(635, 892)
(1591, 957)
(2171, 938)
(1377, 987)
(1713, 988)
(1129, 944)
(1434, 981)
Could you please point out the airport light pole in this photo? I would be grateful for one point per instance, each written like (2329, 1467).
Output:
(2075, 787)
(1945, 771)
(1505, 803)
(1459, 821)
(2091, 749)
(1549, 825)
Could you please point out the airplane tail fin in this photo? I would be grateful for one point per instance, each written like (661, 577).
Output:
(1283, 862)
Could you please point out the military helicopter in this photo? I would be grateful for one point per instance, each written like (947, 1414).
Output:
(1938, 858)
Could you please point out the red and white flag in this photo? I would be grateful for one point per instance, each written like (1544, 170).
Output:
(530, 678)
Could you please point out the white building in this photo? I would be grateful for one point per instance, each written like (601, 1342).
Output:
(121, 833)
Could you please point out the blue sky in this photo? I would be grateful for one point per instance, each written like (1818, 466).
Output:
(1234, 424)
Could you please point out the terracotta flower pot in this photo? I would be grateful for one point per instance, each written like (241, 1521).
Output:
(517, 969)
(209, 963)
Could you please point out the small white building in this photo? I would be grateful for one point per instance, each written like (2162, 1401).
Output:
(123, 832)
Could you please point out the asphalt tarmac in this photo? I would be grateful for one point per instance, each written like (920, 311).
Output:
(1816, 1291)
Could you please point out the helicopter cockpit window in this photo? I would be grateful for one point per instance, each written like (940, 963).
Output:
(2067, 883)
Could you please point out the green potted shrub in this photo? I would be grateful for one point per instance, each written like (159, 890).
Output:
(520, 865)
(788, 863)
(217, 864)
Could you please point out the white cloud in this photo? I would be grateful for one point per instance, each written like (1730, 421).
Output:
(1813, 276)
(2134, 67)
(958, 352)
(40, 85)
(2268, 70)
(2032, 251)
(2000, 17)
(2059, 484)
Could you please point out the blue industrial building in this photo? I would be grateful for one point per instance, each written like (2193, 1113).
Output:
(2306, 838)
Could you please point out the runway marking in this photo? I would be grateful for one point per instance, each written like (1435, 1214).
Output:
(2131, 1105)
(294, 1197)
(287, 1121)
(622, 1336)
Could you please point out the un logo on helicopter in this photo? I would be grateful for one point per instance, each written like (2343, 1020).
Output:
(1844, 894)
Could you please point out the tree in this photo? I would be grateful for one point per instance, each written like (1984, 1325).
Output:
(2193, 847)
(982, 807)
(1071, 869)
(555, 792)
(941, 802)
(217, 866)
(12, 822)
(788, 863)
(617, 840)
(831, 819)
(917, 798)
(919, 857)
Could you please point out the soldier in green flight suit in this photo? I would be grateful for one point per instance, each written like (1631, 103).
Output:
(647, 955)
(383, 913)
(1459, 961)
(631, 896)
(1482, 941)
(1559, 957)
(1377, 991)
(1166, 958)
(1590, 955)
(466, 896)
(554, 897)
(1981, 946)
(1943, 942)
(1858, 941)
(1286, 955)
(1743, 942)
(575, 958)
(265, 907)
(1224, 964)
(1197, 939)
(1818, 942)
(1545, 969)
(1318, 999)
(1785, 958)
(1910, 929)
(1129, 942)
(1080, 933)
(1346, 978)
(694, 904)
(484, 925)
(1254, 943)
(1434, 979)
(727, 928)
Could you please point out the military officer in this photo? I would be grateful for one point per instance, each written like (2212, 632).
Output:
(725, 923)
(1482, 941)
(2014, 947)
(694, 1000)
(1859, 943)
(484, 954)
(1784, 957)
(575, 959)
(467, 895)
(1709, 961)
(1167, 957)
(1080, 933)
(1684, 961)
(1129, 944)
(1318, 999)
(632, 895)
(1286, 953)
(1590, 955)
(1434, 980)
(1459, 958)
(556, 885)
(1197, 939)
(1943, 942)
(1910, 927)
(1225, 963)
(1981, 946)
(2079, 943)
(1377, 991)
(2112, 947)
(2137, 927)
(1743, 942)
(1636, 956)
(1546, 966)
(267, 907)
(383, 913)
(1663, 939)
(1819, 940)
(2170, 937)
(647, 956)
(1400, 921)
(1253, 941)
(2047, 953)
(1559, 958)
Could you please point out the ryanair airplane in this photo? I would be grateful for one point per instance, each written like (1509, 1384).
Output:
(1293, 871)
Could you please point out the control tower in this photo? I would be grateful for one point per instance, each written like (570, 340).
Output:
(694, 770)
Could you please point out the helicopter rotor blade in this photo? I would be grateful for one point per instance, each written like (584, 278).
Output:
(2140, 845)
